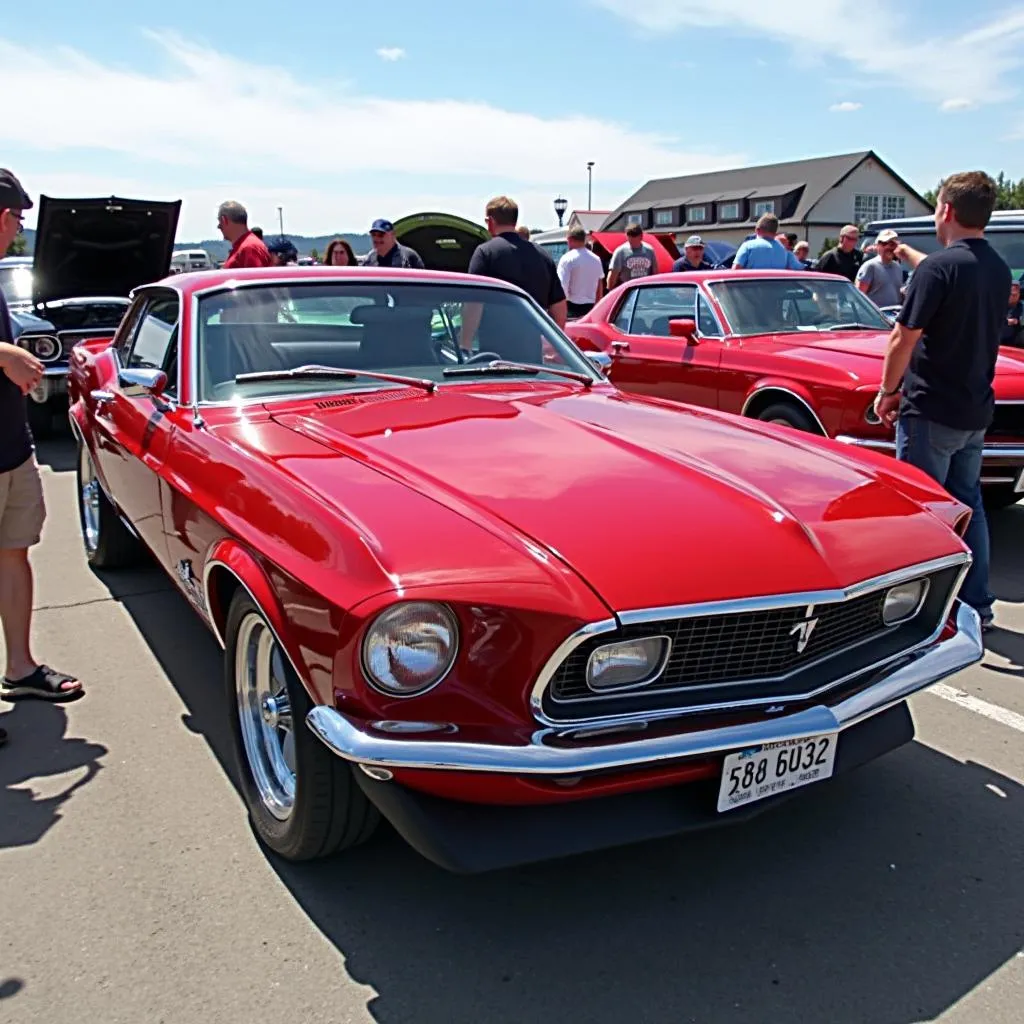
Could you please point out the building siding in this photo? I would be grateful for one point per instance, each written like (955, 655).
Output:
(837, 205)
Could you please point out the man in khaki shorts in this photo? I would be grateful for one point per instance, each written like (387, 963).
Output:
(21, 494)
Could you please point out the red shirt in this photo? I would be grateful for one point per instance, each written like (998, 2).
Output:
(248, 251)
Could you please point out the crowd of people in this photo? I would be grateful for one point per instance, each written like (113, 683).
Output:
(937, 384)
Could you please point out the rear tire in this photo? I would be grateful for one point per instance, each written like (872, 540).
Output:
(997, 496)
(108, 542)
(790, 415)
(303, 801)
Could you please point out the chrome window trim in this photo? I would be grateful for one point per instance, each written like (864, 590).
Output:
(639, 616)
(701, 297)
(786, 391)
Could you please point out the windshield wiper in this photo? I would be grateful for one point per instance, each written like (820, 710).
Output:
(502, 367)
(334, 373)
(852, 327)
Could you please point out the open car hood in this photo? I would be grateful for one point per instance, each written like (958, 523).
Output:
(443, 240)
(101, 246)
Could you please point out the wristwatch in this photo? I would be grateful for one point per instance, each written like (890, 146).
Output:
(889, 394)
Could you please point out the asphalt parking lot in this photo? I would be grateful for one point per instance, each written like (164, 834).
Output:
(132, 889)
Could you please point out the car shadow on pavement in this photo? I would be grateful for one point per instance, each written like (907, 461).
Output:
(885, 897)
(38, 749)
(58, 453)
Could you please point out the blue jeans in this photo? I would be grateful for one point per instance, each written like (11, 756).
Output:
(953, 457)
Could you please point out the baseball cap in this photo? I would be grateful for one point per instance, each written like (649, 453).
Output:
(693, 240)
(281, 246)
(12, 195)
(382, 225)
(888, 235)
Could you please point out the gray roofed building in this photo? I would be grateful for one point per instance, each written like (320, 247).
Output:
(813, 197)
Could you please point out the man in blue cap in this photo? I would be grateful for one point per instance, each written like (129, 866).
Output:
(387, 251)
(283, 252)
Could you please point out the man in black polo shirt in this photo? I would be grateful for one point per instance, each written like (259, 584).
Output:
(387, 251)
(941, 360)
(512, 258)
(21, 493)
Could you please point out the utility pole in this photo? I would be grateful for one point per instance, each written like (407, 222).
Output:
(280, 219)
(590, 184)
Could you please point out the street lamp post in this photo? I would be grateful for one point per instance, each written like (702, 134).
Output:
(280, 220)
(590, 184)
(561, 205)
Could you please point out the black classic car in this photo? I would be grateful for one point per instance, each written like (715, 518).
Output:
(89, 255)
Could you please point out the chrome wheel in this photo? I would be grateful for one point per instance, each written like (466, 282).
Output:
(265, 716)
(89, 500)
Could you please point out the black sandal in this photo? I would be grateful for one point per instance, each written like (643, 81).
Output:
(44, 683)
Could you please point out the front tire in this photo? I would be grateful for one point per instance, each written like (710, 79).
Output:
(788, 415)
(997, 496)
(108, 542)
(303, 801)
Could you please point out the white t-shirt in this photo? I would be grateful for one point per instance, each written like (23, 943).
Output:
(580, 272)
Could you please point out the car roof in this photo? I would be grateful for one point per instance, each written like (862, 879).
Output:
(724, 274)
(1000, 219)
(205, 280)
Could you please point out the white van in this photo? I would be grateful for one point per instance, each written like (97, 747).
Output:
(185, 260)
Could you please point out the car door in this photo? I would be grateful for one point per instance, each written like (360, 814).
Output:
(133, 427)
(649, 360)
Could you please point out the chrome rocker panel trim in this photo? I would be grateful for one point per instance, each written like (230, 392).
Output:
(353, 743)
(990, 451)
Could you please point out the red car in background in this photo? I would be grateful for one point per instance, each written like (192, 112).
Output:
(800, 349)
(382, 528)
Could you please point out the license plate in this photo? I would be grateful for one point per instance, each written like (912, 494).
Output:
(760, 772)
(1018, 487)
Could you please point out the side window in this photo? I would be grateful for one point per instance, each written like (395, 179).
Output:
(126, 331)
(625, 313)
(155, 346)
(655, 307)
(706, 322)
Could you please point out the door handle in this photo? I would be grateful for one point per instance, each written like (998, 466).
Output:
(100, 397)
(620, 346)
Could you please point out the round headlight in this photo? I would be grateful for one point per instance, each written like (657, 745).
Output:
(44, 347)
(410, 647)
(870, 416)
(903, 601)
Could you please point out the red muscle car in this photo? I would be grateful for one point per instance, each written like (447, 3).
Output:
(378, 510)
(801, 349)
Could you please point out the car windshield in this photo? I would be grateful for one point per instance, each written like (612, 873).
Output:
(779, 305)
(1008, 243)
(16, 283)
(276, 340)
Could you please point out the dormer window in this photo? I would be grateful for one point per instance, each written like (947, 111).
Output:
(664, 218)
(728, 211)
(763, 206)
(697, 214)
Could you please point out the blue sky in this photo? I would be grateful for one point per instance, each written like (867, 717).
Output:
(341, 112)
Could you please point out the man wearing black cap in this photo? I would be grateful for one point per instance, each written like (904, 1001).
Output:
(21, 493)
(283, 252)
(387, 251)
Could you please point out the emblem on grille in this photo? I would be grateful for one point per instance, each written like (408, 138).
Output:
(803, 630)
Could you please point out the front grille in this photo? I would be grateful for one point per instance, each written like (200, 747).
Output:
(751, 654)
(1008, 421)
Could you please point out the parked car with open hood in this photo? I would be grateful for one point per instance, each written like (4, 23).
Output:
(388, 534)
(792, 347)
(89, 255)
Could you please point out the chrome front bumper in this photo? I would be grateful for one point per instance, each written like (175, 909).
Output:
(1001, 463)
(539, 757)
(54, 382)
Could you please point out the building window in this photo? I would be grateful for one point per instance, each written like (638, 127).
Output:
(894, 207)
(664, 217)
(696, 214)
(635, 218)
(763, 207)
(728, 211)
(865, 208)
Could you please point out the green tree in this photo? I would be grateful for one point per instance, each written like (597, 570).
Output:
(314, 254)
(1009, 193)
(17, 247)
(829, 243)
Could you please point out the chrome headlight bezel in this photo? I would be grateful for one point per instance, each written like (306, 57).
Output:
(660, 648)
(383, 635)
(903, 591)
(45, 347)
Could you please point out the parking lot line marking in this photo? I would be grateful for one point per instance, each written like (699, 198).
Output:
(978, 706)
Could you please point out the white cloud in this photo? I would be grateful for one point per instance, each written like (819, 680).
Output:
(982, 60)
(200, 118)
(846, 107)
(391, 53)
(953, 105)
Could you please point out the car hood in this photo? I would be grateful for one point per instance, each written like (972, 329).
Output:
(101, 246)
(652, 505)
(872, 345)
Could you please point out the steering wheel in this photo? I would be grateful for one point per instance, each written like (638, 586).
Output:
(481, 356)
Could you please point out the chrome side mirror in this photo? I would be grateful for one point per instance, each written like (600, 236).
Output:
(152, 382)
(601, 360)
